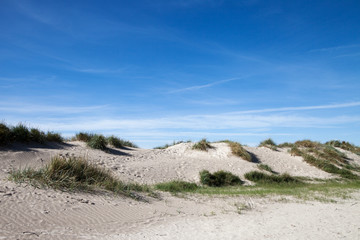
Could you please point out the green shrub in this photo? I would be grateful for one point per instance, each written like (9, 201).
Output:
(97, 142)
(5, 134)
(84, 137)
(219, 179)
(177, 186)
(54, 137)
(21, 133)
(202, 145)
(239, 151)
(259, 177)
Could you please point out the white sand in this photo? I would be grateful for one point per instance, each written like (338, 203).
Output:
(29, 213)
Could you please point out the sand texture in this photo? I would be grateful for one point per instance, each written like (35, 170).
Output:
(27, 212)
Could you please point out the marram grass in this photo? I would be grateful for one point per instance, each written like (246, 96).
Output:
(75, 173)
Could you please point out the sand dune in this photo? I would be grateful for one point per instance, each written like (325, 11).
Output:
(30, 213)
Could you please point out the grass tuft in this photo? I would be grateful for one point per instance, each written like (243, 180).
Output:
(177, 186)
(286, 144)
(238, 150)
(5, 134)
(169, 145)
(84, 137)
(344, 145)
(54, 137)
(97, 142)
(76, 173)
(307, 144)
(202, 145)
(259, 177)
(21, 133)
(294, 151)
(266, 168)
(219, 179)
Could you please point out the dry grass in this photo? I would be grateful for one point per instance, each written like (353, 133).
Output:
(75, 173)
(238, 150)
(202, 145)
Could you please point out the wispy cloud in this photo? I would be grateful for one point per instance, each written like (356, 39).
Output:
(99, 70)
(329, 106)
(35, 108)
(197, 87)
(336, 48)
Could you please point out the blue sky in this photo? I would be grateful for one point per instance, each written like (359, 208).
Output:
(157, 71)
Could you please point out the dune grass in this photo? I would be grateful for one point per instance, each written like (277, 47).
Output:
(265, 167)
(177, 186)
(202, 145)
(98, 141)
(260, 177)
(344, 145)
(77, 174)
(21, 133)
(170, 145)
(83, 136)
(269, 143)
(219, 179)
(238, 150)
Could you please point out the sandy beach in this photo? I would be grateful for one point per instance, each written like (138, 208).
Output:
(27, 212)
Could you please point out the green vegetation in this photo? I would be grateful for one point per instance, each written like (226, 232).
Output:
(76, 174)
(202, 145)
(5, 134)
(307, 144)
(326, 166)
(266, 168)
(54, 137)
(120, 143)
(21, 133)
(100, 142)
(238, 150)
(294, 151)
(177, 186)
(263, 178)
(97, 142)
(84, 137)
(269, 143)
(344, 145)
(169, 145)
(285, 144)
(219, 178)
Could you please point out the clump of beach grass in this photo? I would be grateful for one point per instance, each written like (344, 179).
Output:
(83, 136)
(344, 145)
(21, 133)
(75, 173)
(177, 186)
(238, 150)
(170, 145)
(266, 167)
(202, 145)
(5, 134)
(219, 178)
(97, 142)
(269, 143)
(260, 177)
